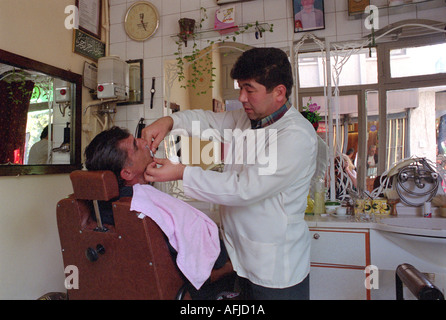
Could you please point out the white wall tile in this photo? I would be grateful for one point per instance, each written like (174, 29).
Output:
(135, 50)
(275, 9)
(329, 6)
(437, 14)
(170, 7)
(338, 27)
(116, 2)
(170, 24)
(153, 47)
(119, 49)
(190, 5)
(280, 31)
(153, 67)
(252, 11)
(117, 13)
(117, 33)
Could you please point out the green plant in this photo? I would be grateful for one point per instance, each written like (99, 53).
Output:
(17, 77)
(200, 62)
(311, 112)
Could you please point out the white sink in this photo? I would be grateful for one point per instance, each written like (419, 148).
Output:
(423, 237)
(427, 227)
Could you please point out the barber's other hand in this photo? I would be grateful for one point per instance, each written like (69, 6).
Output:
(169, 171)
(156, 132)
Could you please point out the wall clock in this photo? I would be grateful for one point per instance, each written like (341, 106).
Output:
(141, 20)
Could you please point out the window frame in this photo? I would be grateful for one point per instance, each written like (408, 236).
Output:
(385, 83)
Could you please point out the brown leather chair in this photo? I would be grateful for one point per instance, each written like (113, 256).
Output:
(127, 260)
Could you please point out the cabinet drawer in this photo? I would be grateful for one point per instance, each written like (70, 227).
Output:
(349, 247)
(337, 284)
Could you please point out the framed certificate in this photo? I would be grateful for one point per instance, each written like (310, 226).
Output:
(357, 6)
(90, 16)
(87, 45)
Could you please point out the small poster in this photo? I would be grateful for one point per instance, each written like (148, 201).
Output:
(224, 18)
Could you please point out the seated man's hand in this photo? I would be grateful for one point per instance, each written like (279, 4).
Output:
(169, 171)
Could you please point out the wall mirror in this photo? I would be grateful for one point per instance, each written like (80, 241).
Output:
(212, 84)
(136, 82)
(212, 89)
(36, 98)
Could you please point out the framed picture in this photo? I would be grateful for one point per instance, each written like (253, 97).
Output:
(87, 45)
(357, 6)
(90, 17)
(308, 15)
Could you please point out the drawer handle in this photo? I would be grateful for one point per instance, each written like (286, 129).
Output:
(316, 236)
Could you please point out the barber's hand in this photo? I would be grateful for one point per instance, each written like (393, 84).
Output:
(156, 132)
(169, 171)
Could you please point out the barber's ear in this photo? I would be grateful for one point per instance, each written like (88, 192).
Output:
(280, 92)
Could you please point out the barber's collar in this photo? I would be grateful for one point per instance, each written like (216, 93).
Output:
(268, 120)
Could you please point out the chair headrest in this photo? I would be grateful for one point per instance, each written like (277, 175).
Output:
(94, 185)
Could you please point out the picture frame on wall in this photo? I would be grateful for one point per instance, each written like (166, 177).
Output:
(90, 12)
(308, 15)
(357, 6)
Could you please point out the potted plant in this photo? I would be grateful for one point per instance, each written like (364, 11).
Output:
(201, 64)
(311, 113)
(187, 28)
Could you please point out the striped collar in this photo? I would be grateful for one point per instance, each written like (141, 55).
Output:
(268, 120)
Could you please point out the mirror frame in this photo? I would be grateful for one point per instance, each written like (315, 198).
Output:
(76, 118)
(141, 81)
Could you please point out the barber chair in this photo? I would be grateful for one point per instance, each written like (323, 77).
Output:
(420, 286)
(127, 260)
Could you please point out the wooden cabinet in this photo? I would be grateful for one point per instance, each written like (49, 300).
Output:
(338, 259)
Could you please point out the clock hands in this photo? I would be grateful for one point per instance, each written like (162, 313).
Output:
(141, 16)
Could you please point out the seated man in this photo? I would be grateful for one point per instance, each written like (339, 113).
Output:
(127, 157)
(118, 151)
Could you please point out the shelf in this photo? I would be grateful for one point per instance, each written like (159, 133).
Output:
(212, 33)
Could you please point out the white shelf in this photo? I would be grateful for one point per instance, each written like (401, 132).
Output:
(212, 33)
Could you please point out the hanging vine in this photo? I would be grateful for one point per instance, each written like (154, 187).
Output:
(200, 63)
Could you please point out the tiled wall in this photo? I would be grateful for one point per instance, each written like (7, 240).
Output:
(338, 27)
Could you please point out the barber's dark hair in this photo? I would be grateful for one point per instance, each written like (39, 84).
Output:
(104, 153)
(267, 66)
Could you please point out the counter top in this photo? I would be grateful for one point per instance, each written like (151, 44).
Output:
(331, 221)
(411, 225)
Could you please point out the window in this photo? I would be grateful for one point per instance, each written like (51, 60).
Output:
(360, 68)
(416, 61)
(415, 115)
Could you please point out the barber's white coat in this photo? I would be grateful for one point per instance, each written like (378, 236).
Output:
(262, 215)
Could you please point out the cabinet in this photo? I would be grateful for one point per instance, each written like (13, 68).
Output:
(338, 259)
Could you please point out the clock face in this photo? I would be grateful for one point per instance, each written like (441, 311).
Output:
(141, 20)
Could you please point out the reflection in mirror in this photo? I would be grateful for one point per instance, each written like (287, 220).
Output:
(39, 106)
(136, 82)
(215, 91)
(209, 86)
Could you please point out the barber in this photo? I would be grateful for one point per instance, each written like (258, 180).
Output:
(262, 209)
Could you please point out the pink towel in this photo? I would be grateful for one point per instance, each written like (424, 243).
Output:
(190, 232)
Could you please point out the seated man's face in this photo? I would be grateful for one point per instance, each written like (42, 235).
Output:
(138, 158)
